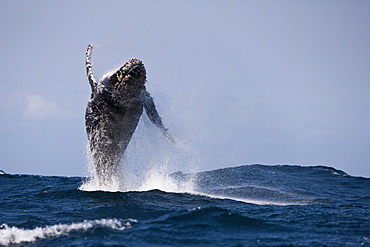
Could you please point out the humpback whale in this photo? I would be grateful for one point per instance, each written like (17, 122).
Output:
(113, 112)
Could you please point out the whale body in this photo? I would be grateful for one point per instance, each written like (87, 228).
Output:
(113, 111)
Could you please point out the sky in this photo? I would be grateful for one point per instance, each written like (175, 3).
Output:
(235, 82)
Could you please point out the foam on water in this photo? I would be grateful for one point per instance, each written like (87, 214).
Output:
(15, 235)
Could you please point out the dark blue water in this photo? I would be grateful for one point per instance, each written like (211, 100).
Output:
(253, 205)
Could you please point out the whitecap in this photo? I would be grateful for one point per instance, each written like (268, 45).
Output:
(15, 235)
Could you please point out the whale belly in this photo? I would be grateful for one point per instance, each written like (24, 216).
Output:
(109, 130)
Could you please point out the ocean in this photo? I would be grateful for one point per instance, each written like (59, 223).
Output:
(248, 205)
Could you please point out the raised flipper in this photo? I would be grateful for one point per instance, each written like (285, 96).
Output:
(89, 73)
(152, 113)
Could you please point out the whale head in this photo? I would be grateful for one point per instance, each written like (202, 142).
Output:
(130, 78)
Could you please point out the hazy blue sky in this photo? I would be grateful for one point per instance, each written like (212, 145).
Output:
(236, 82)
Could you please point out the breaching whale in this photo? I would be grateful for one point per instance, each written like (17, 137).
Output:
(113, 112)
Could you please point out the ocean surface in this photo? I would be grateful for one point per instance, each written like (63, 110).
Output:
(250, 205)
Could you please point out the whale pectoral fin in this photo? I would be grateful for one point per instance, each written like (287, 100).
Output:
(89, 72)
(153, 115)
(168, 135)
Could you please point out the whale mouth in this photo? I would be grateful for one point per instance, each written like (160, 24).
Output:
(131, 74)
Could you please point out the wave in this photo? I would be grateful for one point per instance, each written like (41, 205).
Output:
(258, 184)
(265, 185)
(15, 235)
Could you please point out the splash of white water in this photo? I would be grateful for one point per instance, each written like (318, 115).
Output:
(160, 179)
(92, 182)
(15, 235)
(147, 165)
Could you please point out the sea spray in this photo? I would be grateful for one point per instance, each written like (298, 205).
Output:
(148, 164)
(92, 181)
(159, 178)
